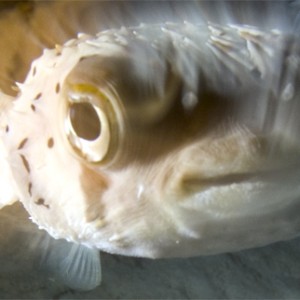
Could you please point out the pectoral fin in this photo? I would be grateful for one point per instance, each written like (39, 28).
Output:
(81, 268)
(74, 265)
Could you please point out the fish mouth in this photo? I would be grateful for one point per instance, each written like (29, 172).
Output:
(234, 160)
(194, 183)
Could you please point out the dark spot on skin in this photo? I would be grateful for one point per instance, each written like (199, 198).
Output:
(34, 71)
(7, 128)
(32, 107)
(50, 143)
(38, 96)
(30, 188)
(41, 201)
(25, 163)
(57, 88)
(22, 144)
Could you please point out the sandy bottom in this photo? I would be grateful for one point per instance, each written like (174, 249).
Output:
(269, 272)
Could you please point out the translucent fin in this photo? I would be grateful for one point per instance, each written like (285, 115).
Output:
(81, 268)
(294, 6)
(74, 265)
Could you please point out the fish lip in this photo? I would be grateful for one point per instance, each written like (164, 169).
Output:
(193, 183)
(220, 180)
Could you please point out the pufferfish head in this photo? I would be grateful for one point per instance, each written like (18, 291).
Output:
(135, 142)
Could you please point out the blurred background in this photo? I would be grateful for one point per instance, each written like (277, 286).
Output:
(26, 28)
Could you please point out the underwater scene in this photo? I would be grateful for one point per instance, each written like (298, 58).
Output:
(149, 149)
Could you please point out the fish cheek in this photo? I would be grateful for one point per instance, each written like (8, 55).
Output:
(94, 185)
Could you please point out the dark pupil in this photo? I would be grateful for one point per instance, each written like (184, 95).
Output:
(85, 121)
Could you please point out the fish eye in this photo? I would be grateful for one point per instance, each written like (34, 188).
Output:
(85, 120)
(91, 123)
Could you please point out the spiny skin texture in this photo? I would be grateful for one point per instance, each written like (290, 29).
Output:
(188, 158)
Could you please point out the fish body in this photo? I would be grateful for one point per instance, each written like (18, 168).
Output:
(167, 140)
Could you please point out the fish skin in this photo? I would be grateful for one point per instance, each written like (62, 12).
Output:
(160, 198)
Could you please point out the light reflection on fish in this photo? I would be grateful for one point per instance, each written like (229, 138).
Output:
(169, 140)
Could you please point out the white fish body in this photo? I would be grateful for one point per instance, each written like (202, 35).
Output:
(177, 153)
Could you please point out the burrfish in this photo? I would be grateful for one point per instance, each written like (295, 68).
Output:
(160, 140)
